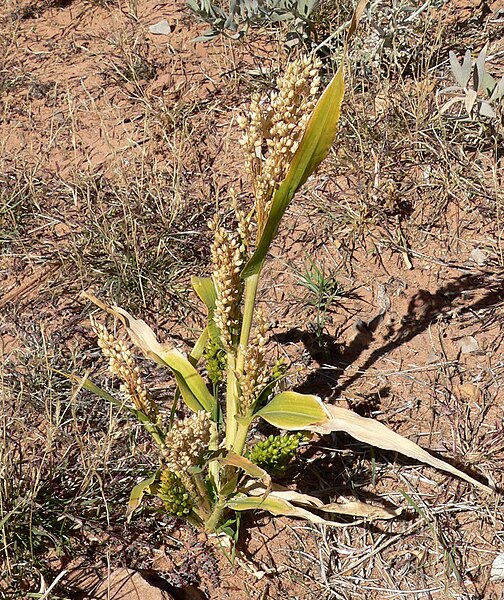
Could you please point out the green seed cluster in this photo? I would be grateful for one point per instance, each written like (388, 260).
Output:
(216, 362)
(176, 498)
(274, 454)
(279, 369)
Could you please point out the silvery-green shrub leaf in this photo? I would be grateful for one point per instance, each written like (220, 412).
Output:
(446, 107)
(450, 89)
(461, 72)
(498, 91)
(469, 100)
(488, 84)
(485, 110)
(479, 71)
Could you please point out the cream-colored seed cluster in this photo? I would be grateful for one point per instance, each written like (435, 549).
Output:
(185, 443)
(255, 372)
(273, 130)
(243, 224)
(227, 260)
(122, 364)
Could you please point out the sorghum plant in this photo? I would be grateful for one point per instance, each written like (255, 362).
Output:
(208, 469)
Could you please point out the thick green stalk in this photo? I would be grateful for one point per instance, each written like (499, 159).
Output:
(231, 399)
(215, 518)
(200, 485)
(232, 392)
(241, 436)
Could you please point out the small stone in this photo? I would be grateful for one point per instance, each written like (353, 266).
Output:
(161, 28)
(125, 584)
(497, 571)
(468, 344)
(479, 257)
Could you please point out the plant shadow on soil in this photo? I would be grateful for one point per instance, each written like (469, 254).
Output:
(424, 309)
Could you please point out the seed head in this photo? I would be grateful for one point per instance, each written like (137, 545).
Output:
(274, 128)
(227, 260)
(186, 442)
(122, 364)
(255, 371)
(176, 498)
(275, 453)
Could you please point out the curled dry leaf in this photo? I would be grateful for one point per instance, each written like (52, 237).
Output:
(376, 434)
(190, 383)
(253, 470)
(360, 509)
(141, 335)
(353, 508)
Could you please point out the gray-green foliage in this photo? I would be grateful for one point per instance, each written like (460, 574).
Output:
(245, 13)
(323, 292)
(483, 97)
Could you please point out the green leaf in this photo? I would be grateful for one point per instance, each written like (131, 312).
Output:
(313, 148)
(290, 410)
(205, 290)
(352, 508)
(199, 347)
(137, 494)
(275, 506)
(192, 386)
(253, 470)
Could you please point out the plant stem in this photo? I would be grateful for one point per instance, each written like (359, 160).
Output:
(200, 484)
(231, 399)
(235, 365)
(241, 436)
(214, 519)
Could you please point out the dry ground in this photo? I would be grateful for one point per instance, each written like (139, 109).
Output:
(116, 146)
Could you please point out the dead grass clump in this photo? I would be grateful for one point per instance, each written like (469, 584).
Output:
(137, 242)
(54, 458)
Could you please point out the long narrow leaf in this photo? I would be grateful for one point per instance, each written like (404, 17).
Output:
(376, 434)
(253, 470)
(205, 290)
(276, 506)
(137, 494)
(313, 148)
